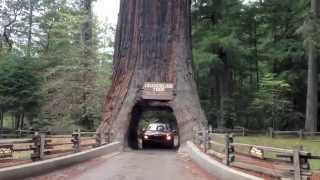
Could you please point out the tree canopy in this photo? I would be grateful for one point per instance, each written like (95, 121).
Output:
(251, 62)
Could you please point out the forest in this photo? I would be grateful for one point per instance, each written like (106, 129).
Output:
(252, 63)
(55, 64)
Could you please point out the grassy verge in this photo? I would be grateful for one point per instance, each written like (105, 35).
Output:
(288, 143)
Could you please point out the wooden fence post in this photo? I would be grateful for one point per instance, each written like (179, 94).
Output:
(229, 149)
(227, 143)
(196, 136)
(301, 134)
(210, 129)
(98, 140)
(271, 134)
(38, 146)
(296, 165)
(42, 145)
(205, 139)
(19, 133)
(76, 140)
(209, 141)
(107, 138)
(304, 162)
(36, 151)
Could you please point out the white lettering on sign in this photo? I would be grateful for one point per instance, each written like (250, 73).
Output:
(158, 91)
(158, 87)
(5, 151)
(256, 152)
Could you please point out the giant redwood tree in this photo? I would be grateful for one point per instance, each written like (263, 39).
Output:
(153, 44)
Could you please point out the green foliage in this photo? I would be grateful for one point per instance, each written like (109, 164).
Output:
(75, 69)
(87, 75)
(310, 30)
(250, 63)
(270, 102)
(19, 85)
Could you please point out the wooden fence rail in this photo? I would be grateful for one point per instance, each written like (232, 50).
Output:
(298, 163)
(241, 131)
(42, 145)
(299, 133)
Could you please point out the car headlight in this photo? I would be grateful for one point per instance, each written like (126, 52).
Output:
(145, 137)
(168, 137)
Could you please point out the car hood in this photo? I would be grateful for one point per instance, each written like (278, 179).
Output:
(150, 133)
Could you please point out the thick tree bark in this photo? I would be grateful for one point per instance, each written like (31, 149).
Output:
(153, 44)
(311, 123)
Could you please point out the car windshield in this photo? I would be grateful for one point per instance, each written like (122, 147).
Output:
(156, 127)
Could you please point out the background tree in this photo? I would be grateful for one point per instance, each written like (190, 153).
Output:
(257, 39)
(312, 43)
(72, 59)
(19, 90)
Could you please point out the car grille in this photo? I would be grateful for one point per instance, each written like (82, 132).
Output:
(156, 138)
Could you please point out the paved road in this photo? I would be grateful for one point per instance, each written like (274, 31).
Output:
(134, 165)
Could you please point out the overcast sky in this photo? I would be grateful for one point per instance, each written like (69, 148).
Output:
(108, 9)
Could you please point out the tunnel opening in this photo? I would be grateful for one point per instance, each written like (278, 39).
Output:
(161, 124)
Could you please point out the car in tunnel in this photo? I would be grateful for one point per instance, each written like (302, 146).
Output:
(158, 134)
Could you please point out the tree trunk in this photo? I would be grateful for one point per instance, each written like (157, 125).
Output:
(225, 88)
(256, 54)
(30, 19)
(87, 26)
(1, 119)
(17, 120)
(87, 73)
(22, 120)
(153, 44)
(221, 121)
(311, 123)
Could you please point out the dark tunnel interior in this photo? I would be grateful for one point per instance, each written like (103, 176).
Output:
(142, 117)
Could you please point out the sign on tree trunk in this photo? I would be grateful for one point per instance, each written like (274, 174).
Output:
(158, 91)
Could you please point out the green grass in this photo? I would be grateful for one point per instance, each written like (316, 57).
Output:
(7, 121)
(287, 143)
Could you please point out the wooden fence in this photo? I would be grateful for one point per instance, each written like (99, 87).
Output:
(299, 133)
(241, 131)
(13, 133)
(44, 145)
(294, 163)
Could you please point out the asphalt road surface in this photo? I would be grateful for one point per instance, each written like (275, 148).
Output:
(134, 165)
